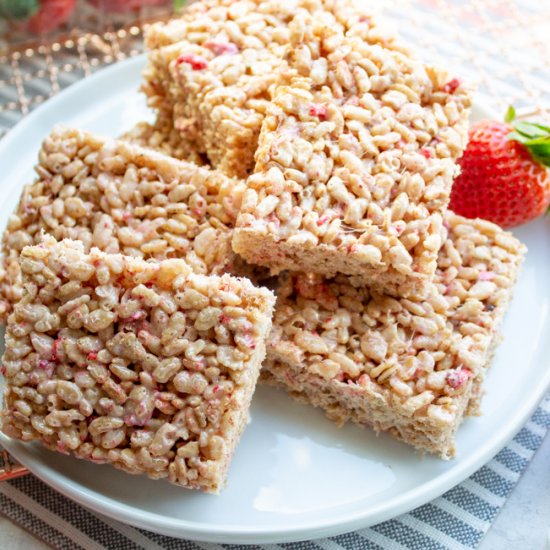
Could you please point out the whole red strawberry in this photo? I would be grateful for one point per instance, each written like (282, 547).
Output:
(504, 177)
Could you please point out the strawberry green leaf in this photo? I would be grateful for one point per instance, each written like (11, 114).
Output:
(531, 130)
(515, 136)
(536, 139)
(540, 152)
(510, 115)
(541, 127)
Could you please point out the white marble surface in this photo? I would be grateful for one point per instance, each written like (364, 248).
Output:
(524, 521)
(523, 524)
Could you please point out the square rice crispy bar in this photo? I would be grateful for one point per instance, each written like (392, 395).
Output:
(162, 137)
(213, 69)
(122, 198)
(143, 365)
(412, 367)
(355, 162)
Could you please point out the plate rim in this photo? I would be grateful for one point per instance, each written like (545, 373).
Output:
(194, 530)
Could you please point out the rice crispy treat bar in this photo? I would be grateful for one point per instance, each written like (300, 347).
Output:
(143, 365)
(214, 67)
(215, 80)
(122, 198)
(163, 137)
(202, 19)
(355, 162)
(412, 367)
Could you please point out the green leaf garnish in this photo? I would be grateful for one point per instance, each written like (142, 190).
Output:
(510, 115)
(531, 130)
(536, 137)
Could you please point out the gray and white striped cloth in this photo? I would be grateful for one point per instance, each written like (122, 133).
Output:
(457, 520)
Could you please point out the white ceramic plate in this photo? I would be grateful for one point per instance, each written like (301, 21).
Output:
(295, 475)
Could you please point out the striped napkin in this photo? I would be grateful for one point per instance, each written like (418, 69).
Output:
(457, 520)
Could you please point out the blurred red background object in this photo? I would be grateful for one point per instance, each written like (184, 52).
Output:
(25, 23)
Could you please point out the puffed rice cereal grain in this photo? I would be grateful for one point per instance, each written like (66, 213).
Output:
(143, 365)
(122, 198)
(355, 162)
(412, 367)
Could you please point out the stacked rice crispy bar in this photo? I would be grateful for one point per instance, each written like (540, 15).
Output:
(212, 70)
(411, 366)
(143, 365)
(355, 162)
(122, 198)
